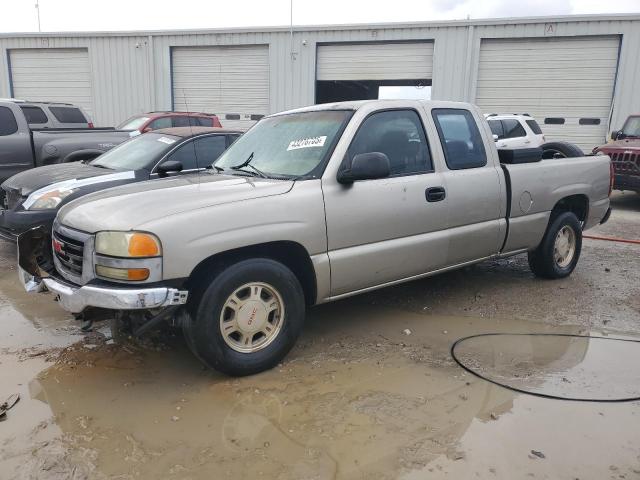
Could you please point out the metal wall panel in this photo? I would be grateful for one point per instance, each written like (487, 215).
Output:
(229, 81)
(54, 74)
(375, 61)
(131, 71)
(562, 78)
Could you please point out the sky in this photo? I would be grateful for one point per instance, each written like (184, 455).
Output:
(106, 15)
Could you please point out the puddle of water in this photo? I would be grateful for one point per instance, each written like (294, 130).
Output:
(569, 367)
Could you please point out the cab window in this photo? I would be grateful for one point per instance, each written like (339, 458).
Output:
(199, 153)
(513, 128)
(162, 122)
(460, 138)
(8, 124)
(400, 136)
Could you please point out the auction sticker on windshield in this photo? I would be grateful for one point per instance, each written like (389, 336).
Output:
(307, 143)
(166, 140)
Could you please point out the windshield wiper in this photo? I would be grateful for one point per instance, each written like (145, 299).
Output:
(247, 163)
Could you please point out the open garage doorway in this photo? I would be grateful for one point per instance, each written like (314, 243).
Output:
(372, 70)
(344, 90)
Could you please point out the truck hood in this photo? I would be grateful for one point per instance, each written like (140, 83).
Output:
(31, 180)
(131, 206)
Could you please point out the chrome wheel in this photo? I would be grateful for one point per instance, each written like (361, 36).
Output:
(564, 247)
(252, 317)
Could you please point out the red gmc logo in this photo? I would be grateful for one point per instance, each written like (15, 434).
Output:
(57, 246)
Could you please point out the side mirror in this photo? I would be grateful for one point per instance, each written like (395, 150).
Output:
(615, 135)
(147, 130)
(495, 137)
(170, 166)
(366, 166)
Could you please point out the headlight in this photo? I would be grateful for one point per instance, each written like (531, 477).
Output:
(49, 200)
(128, 244)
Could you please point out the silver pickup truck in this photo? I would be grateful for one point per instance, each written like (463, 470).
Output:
(313, 205)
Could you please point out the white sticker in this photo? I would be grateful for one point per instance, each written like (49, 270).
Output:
(307, 143)
(166, 140)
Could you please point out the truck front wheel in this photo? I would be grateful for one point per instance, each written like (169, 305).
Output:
(558, 253)
(248, 318)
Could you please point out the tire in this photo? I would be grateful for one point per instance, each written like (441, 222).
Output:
(544, 261)
(561, 150)
(241, 299)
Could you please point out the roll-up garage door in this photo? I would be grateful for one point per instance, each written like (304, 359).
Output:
(52, 74)
(232, 82)
(375, 61)
(565, 83)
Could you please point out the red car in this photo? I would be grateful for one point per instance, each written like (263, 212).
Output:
(624, 150)
(147, 122)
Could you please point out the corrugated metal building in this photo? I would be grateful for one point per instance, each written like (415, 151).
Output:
(577, 75)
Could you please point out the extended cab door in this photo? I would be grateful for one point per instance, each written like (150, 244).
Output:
(474, 187)
(16, 154)
(388, 229)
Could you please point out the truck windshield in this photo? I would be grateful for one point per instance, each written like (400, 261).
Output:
(292, 145)
(631, 127)
(133, 123)
(137, 153)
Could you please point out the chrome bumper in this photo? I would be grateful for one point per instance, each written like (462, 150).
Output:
(75, 299)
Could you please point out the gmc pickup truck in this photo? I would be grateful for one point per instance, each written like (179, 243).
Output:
(23, 147)
(309, 206)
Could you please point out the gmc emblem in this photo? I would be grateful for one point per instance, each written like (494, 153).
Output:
(58, 247)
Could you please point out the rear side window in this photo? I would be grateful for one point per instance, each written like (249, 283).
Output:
(513, 128)
(200, 122)
(8, 124)
(208, 149)
(535, 128)
(460, 138)
(68, 114)
(496, 128)
(34, 115)
(400, 136)
(180, 121)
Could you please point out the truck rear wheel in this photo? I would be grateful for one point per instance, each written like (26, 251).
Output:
(558, 253)
(248, 318)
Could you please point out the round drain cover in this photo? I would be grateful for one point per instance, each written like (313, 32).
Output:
(561, 366)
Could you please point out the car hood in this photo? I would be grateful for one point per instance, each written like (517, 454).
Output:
(624, 144)
(31, 180)
(132, 206)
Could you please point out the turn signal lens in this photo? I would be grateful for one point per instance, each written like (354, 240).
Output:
(143, 245)
(134, 274)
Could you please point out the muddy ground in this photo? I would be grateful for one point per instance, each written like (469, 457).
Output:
(370, 391)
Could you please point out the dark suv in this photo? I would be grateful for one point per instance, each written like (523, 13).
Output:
(624, 150)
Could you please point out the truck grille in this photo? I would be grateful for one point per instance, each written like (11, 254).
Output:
(625, 163)
(69, 252)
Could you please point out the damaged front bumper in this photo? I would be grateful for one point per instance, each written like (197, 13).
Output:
(75, 298)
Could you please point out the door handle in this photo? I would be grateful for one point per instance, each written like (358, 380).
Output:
(435, 194)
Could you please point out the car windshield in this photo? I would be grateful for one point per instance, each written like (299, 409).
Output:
(133, 123)
(138, 153)
(291, 145)
(632, 127)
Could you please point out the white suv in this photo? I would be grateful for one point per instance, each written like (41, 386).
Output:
(515, 130)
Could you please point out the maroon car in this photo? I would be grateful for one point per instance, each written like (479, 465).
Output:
(624, 150)
(147, 122)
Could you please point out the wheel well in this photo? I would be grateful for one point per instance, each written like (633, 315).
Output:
(291, 254)
(578, 204)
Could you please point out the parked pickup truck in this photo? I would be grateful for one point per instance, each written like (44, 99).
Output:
(22, 147)
(309, 206)
(624, 151)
